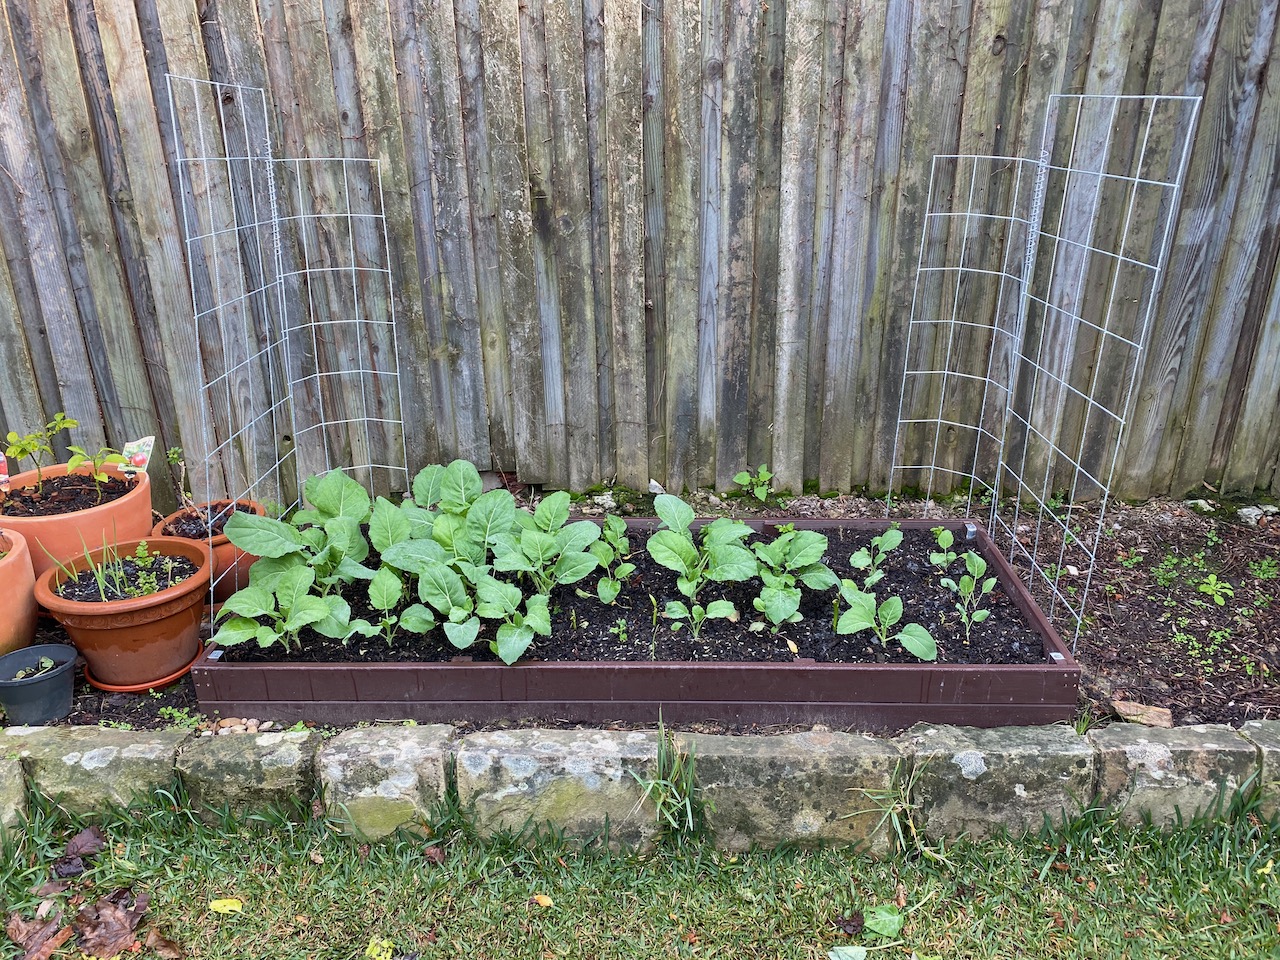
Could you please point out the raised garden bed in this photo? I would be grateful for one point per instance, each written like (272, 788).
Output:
(796, 690)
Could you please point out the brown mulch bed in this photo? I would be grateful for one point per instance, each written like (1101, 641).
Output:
(1153, 632)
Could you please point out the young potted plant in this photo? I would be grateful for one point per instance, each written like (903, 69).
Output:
(37, 683)
(133, 609)
(17, 596)
(205, 521)
(61, 509)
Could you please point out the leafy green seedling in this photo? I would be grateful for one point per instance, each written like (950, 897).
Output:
(282, 599)
(794, 557)
(970, 591)
(717, 555)
(758, 484)
(871, 558)
(39, 444)
(612, 551)
(943, 557)
(42, 666)
(96, 462)
(864, 614)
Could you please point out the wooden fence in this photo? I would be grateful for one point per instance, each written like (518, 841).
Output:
(631, 238)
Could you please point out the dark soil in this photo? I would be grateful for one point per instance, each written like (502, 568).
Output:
(633, 628)
(200, 523)
(58, 495)
(128, 577)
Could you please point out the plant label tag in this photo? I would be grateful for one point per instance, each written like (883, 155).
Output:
(137, 454)
(4, 472)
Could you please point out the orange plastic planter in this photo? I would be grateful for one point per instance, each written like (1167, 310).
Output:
(138, 642)
(17, 592)
(66, 536)
(230, 563)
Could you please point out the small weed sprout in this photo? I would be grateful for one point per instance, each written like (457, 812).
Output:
(758, 484)
(96, 462)
(943, 557)
(1219, 590)
(1268, 568)
(42, 666)
(871, 558)
(970, 591)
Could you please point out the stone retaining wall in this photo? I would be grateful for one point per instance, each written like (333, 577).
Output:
(819, 786)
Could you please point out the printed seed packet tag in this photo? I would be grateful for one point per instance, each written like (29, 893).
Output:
(137, 454)
(4, 472)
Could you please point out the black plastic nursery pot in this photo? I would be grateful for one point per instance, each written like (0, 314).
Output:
(869, 696)
(33, 701)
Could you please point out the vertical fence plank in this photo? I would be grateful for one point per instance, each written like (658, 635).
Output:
(624, 106)
(33, 247)
(653, 168)
(20, 408)
(682, 77)
(844, 427)
(709, 372)
(802, 105)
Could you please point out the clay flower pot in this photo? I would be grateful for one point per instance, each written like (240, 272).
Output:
(230, 563)
(139, 643)
(68, 535)
(17, 592)
(38, 700)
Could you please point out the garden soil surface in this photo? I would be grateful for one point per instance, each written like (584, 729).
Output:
(59, 495)
(197, 524)
(1152, 633)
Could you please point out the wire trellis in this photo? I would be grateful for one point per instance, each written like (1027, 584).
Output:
(293, 307)
(1035, 288)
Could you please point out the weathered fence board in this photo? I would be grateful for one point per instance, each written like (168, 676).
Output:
(668, 240)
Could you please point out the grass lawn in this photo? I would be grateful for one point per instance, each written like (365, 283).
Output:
(1092, 890)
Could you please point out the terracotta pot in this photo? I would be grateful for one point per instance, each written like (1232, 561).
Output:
(137, 642)
(17, 598)
(230, 563)
(68, 535)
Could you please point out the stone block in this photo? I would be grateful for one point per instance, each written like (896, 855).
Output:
(377, 780)
(1265, 735)
(249, 770)
(1170, 773)
(804, 788)
(979, 782)
(84, 769)
(13, 793)
(575, 780)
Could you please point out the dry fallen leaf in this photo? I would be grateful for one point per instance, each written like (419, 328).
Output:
(901, 898)
(227, 905)
(316, 856)
(162, 946)
(106, 928)
(87, 843)
(542, 900)
(434, 854)
(39, 940)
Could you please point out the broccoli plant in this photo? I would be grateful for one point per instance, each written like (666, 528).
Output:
(794, 557)
(943, 557)
(864, 613)
(970, 591)
(871, 558)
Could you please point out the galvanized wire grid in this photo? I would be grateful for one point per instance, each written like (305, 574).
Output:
(1035, 288)
(294, 313)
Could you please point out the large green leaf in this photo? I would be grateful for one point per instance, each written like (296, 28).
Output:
(266, 572)
(420, 521)
(348, 571)
(262, 536)
(462, 635)
(806, 547)
(778, 604)
(449, 528)
(337, 625)
(388, 525)
(306, 611)
(235, 631)
(861, 614)
(917, 641)
(250, 601)
(891, 539)
(722, 530)
(537, 614)
(491, 517)
(496, 600)
(346, 538)
(817, 576)
(417, 619)
(577, 537)
(572, 567)
(337, 495)
(385, 589)
(730, 563)
(413, 556)
(674, 551)
(673, 511)
(427, 486)
(460, 487)
(293, 586)
(512, 641)
(890, 612)
(441, 587)
(552, 512)
(721, 610)
(608, 589)
(541, 548)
